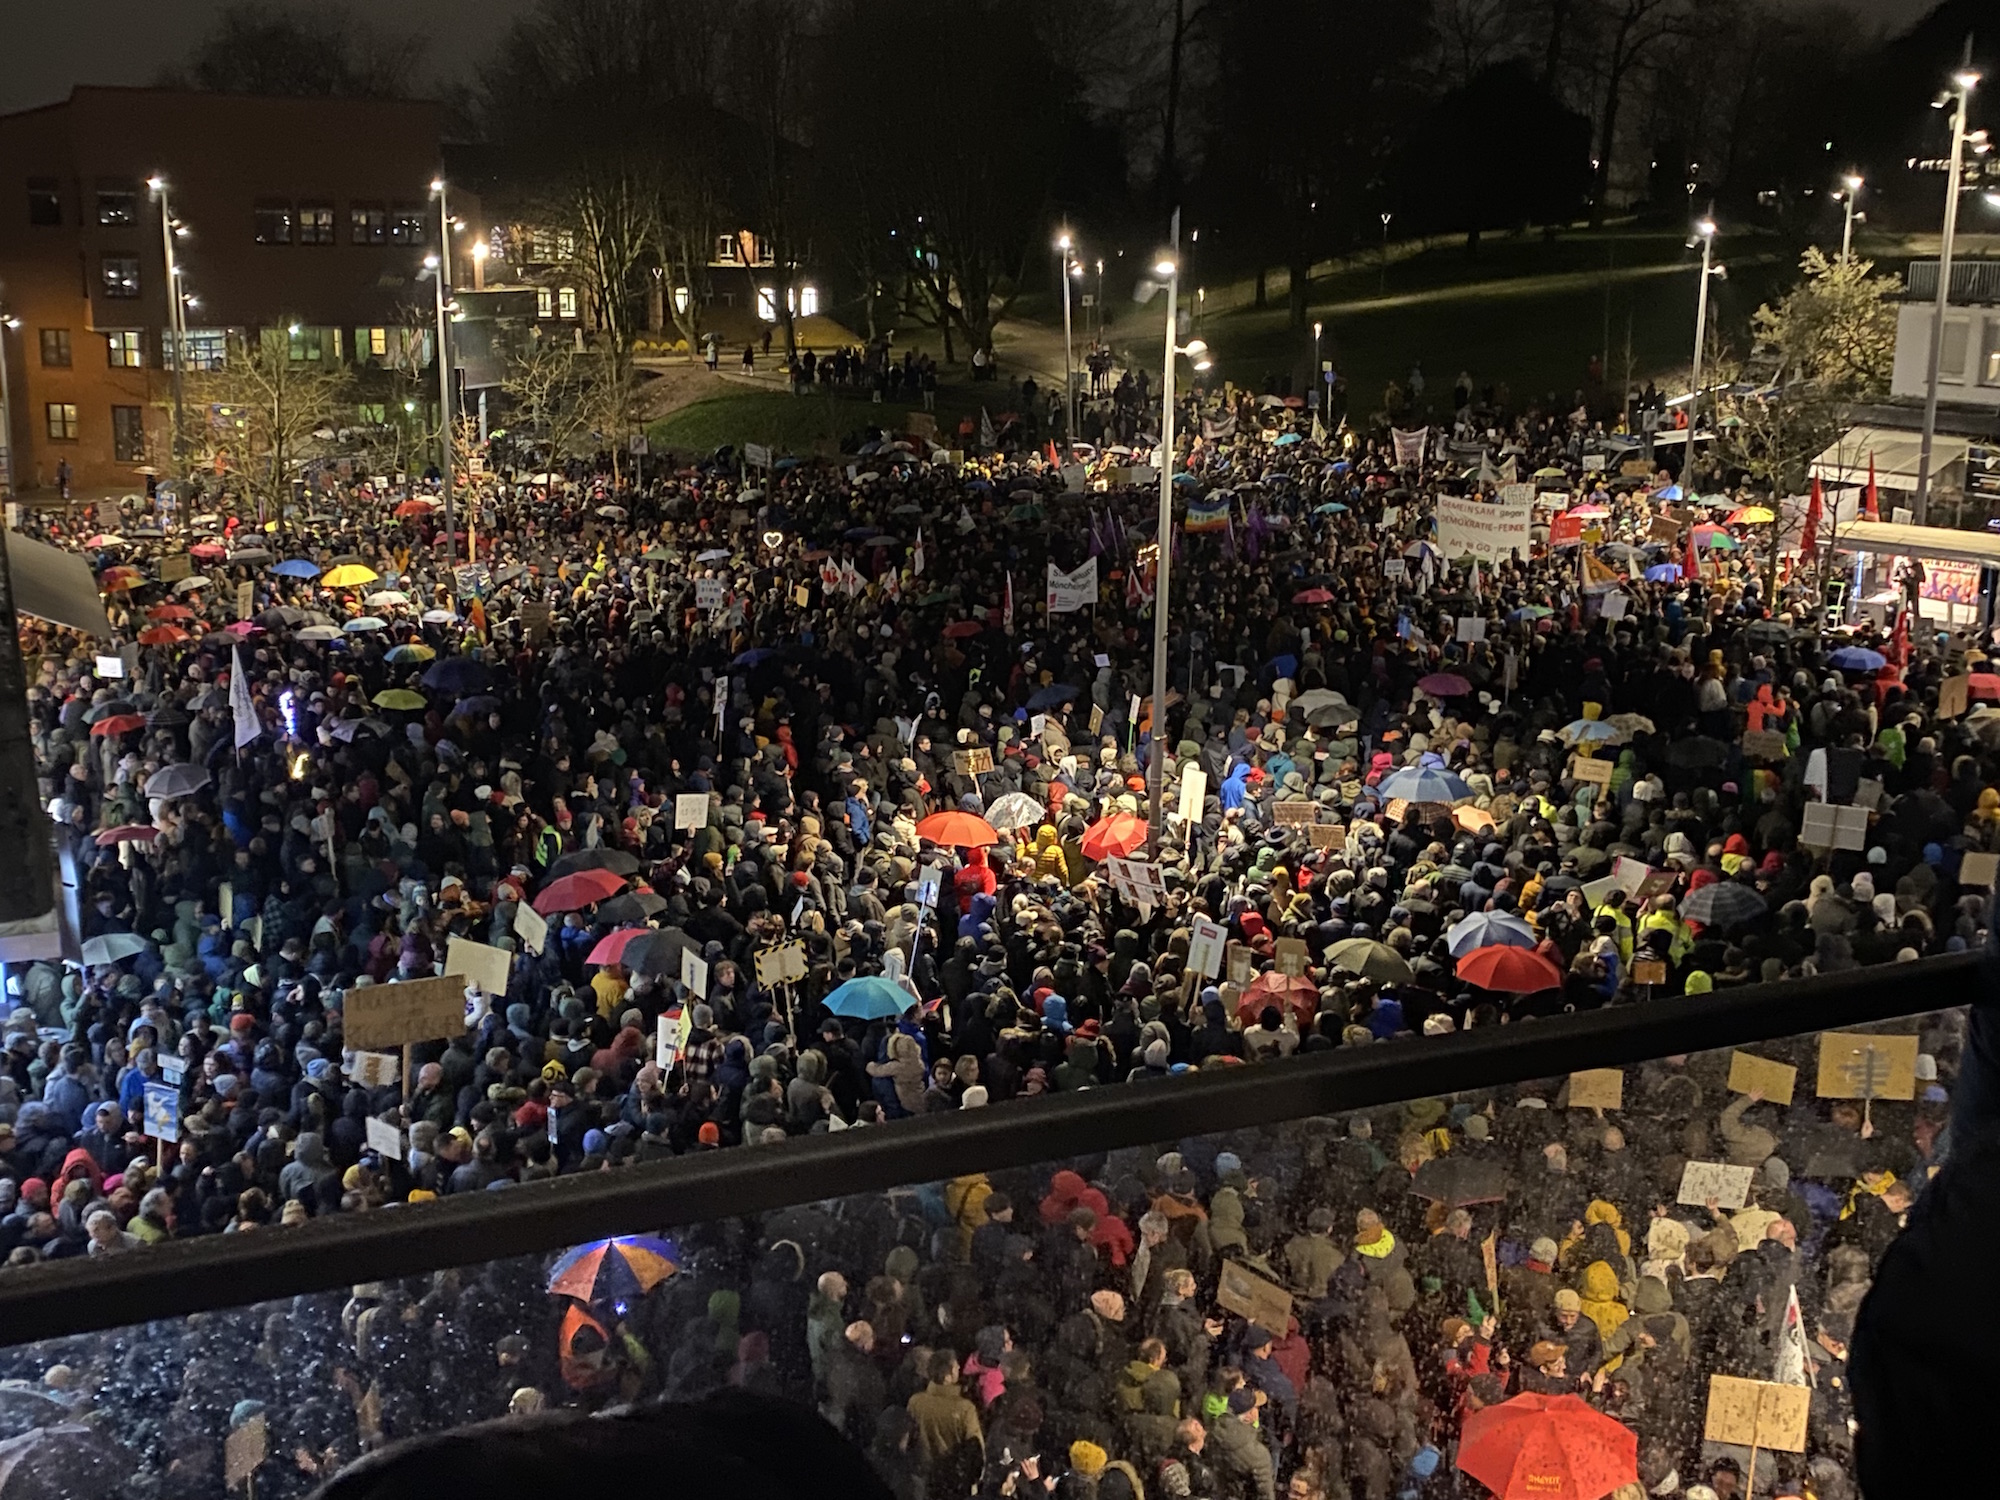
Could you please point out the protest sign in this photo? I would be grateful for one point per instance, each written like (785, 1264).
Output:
(973, 762)
(416, 1010)
(1828, 827)
(1294, 812)
(1290, 954)
(384, 1138)
(535, 618)
(1615, 605)
(1565, 530)
(1751, 1074)
(1663, 529)
(1248, 1295)
(694, 974)
(1074, 590)
(1649, 971)
(175, 566)
(690, 810)
(1977, 872)
(244, 1450)
(1471, 628)
(783, 963)
(1586, 769)
(708, 593)
(246, 599)
(1328, 836)
(1860, 1065)
(1954, 696)
(1757, 1413)
(1597, 1088)
(1763, 744)
(161, 1117)
(758, 455)
(1593, 463)
(1728, 1186)
(1242, 965)
(1194, 792)
(531, 927)
(1517, 494)
(1394, 568)
(376, 1070)
(1138, 881)
(1867, 794)
(1410, 444)
(1482, 531)
(485, 966)
(1205, 947)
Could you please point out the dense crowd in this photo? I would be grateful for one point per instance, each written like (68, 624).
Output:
(827, 655)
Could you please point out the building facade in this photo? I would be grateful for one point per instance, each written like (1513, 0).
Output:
(305, 220)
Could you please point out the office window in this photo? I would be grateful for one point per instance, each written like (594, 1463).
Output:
(545, 302)
(121, 275)
(566, 302)
(117, 206)
(367, 224)
(207, 349)
(273, 223)
(377, 341)
(372, 414)
(127, 348)
(55, 348)
(565, 245)
(1951, 352)
(726, 251)
(128, 434)
(306, 346)
(62, 421)
(315, 223)
(407, 224)
(1989, 359)
(44, 201)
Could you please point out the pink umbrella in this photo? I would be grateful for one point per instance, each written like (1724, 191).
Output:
(611, 947)
(243, 627)
(1444, 685)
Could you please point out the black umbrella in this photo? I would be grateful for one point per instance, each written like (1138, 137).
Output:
(631, 906)
(617, 861)
(1696, 752)
(108, 708)
(659, 952)
(56, 1463)
(22, 1409)
(1725, 904)
(169, 717)
(1457, 1182)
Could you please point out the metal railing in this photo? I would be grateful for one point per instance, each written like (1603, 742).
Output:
(221, 1271)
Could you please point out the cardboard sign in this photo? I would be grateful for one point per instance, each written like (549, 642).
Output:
(384, 1139)
(1663, 529)
(1868, 794)
(1294, 813)
(802, 595)
(1394, 568)
(531, 927)
(1827, 827)
(535, 619)
(246, 599)
(175, 566)
(1861, 1065)
(1328, 836)
(757, 455)
(973, 762)
(1728, 1186)
(161, 1112)
(172, 1069)
(416, 1010)
(1194, 793)
(1597, 1088)
(243, 1451)
(1593, 463)
(708, 593)
(1763, 744)
(1954, 696)
(1242, 966)
(376, 1070)
(1978, 872)
(1471, 628)
(694, 974)
(782, 964)
(1291, 957)
(1138, 881)
(690, 811)
(1633, 468)
(1649, 971)
(1751, 1074)
(1096, 717)
(486, 966)
(1248, 1295)
(1757, 1413)
(1205, 947)
(1585, 768)
(1614, 606)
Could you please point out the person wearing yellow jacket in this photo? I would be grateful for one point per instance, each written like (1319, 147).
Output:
(1614, 908)
(1661, 917)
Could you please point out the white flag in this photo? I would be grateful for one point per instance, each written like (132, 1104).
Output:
(1318, 431)
(1008, 620)
(986, 435)
(917, 554)
(1793, 1368)
(1473, 583)
(248, 726)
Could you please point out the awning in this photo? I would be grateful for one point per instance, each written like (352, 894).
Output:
(1894, 450)
(54, 585)
(1919, 541)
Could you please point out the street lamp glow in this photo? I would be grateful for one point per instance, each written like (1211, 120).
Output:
(1704, 227)
(293, 330)
(480, 250)
(1194, 346)
(437, 184)
(430, 262)
(157, 183)
(1163, 267)
(1853, 182)
(1203, 364)
(1966, 78)
(1062, 242)
(13, 324)
(1316, 328)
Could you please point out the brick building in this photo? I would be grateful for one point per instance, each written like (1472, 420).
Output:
(303, 219)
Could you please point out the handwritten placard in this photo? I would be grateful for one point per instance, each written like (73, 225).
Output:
(1861, 1065)
(694, 974)
(1290, 955)
(690, 811)
(1245, 1293)
(1293, 813)
(531, 927)
(1595, 772)
(781, 964)
(416, 1010)
(485, 965)
(1727, 1186)
(375, 1070)
(973, 762)
(1954, 696)
(1328, 836)
(1763, 744)
(1205, 947)
(1649, 971)
(1751, 1074)
(1194, 792)
(1757, 1413)
(1597, 1088)
(1978, 872)
(384, 1138)
(243, 1452)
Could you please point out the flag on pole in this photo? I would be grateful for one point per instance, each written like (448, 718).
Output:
(1793, 1368)
(986, 437)
(1472, 584)
(1007, 609)
(1874, 511)
(917, 554)
(241, 707)
(1810, 538)
(1318, 431)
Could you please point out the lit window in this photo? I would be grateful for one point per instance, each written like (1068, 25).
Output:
(127, 349)
(545, 302)
(726, 252)
(767, 303)
(378, 342)
(371, 414)
(62, 421)
(121, 275)
(565, 245)
(55, 348)
(117, 206)
(128, 434)
(273, 223)
(406, 224)
(315, 223)
(566, 302)
(809, 302)
(207, 349)
(305, 346)
(367, 224)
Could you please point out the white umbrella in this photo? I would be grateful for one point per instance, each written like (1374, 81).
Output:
(439, 617)
(1015, 810)
(386, 598)
(362, 624)
(319, 633)
(189, 585)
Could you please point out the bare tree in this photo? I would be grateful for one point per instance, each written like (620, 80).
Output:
(269, 412)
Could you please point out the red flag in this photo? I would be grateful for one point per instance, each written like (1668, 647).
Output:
(1690, 564)
(476, 618)
(1874, 512)
(1811, 538)
(1054, 461)
(1899, 640)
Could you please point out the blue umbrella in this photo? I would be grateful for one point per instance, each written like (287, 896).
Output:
(481, 703)
(1671, 492)
(1488, 929)
(1331, 508)
(1187, 479)
(1857, 659)
(1664, 573)
(1285, 440)
(1590, 732)
(869, 998)
(296, 567)
(751, 657)
(456, 674)
(1416, 784)
(1047, 698)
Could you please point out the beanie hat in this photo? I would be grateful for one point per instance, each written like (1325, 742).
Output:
(1568, 1301)
(709, 1134)
(1544, 1251)
(1087, 1458)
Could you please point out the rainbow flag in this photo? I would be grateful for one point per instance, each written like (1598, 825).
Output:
(1207, 515)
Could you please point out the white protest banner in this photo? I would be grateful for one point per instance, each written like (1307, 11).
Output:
(1728, 1186)
(708, 593)
(531, 927)
(1615, 605)
(1205, 947)
(1073, 590)
(1593, 462)
(1517, 494)
(1194, 793)
(1828, 827)
(384, 1139)
(690, 811)
(1471, 628)
(1138, 881)
(485, 966)
(1410, 445)
(1483, 531)
(757, 455)
(110, 666)
(1394, 568)
(694, 974)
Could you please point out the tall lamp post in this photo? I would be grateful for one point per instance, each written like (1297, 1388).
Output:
(176, 311)
(1705, 230)
(1963, 81)
(1312, 376)
(1168, 269)
(1852, 182)
(1069, 351)
(441, 265)
(8, 324)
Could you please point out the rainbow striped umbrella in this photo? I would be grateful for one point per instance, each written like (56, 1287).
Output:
(608, 1270)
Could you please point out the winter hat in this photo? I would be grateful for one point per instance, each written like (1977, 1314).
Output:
(1544, 1251)
(1087, 1458)
(1568, 1301)
(1108, 1305)
(974, 1098)
(710, 1134)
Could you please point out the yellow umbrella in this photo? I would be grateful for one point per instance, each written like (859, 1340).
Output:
(1751, 515)
(347, 576)
(399, 698)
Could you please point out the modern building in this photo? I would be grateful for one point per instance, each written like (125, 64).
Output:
(306, 220)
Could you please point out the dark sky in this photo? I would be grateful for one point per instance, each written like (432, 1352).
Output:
(49, 45)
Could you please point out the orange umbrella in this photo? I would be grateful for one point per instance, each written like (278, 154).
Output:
(118, 724)
(162, 635)
(960, 829)
(1281, 990)
(1113, 837)
(1519, 971)
(1471, 819)
(1548, 1447)
(170, 612)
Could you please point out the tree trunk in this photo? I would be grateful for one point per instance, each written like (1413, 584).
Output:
(1552, 58)
(1600, 177)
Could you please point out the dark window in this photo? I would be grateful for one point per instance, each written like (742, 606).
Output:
(55, 348)
(315, 223)
(127, 348)
(62, 421)
(121, 275)
(367, 224)
(128, 434)
(117, 206)
(407, 224)
(273, 223)
(44, 200)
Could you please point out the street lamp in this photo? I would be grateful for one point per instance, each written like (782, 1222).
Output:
(440, 267)
(176, 309)
(1963, 81)
(1704, 230)
(1382, 285)
(1069, 354)
(1852, 182)
(8, 324)
(1312, 377)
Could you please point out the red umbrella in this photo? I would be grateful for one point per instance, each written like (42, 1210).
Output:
(208, 549)
(1444, 685)
(128, 833)
(958, 630)
(572, 892)
(1281, 990)
(961, 829)
(1312, 596)
(412, 508)
(1115, 836)
(1519, 971)
(119, 724)
(1548, 1447)
(611, 947)
(1983, 685)
(170, 612)
(162, 635)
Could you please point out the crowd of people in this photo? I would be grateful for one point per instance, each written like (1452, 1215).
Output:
(1402, 772)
